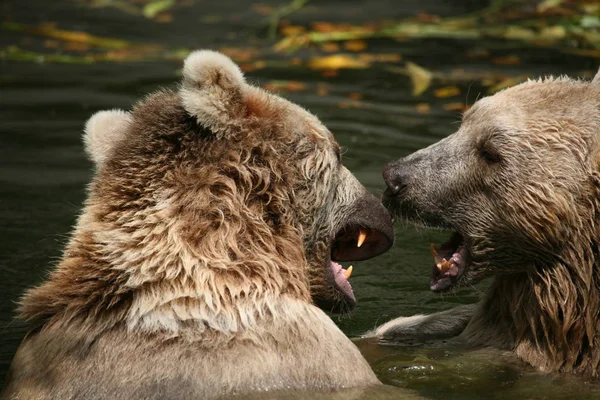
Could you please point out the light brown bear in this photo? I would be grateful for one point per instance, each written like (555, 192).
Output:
(211, 227)
(519, 184)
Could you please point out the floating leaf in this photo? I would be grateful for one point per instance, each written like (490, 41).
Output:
(338, 61)
(448, 91)
(50, 31)
(553, 32)
(420, 78)
(507, 60)
(330, 47)
(355, 45)
(285, 86)
(518, 33)
(292, 30)
(383, 58)
(154, 8)
(506, 83)
(548, 4)
(355, 96)
(454, 106)
(423, 108)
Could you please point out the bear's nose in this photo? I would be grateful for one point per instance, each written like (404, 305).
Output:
(394, 177)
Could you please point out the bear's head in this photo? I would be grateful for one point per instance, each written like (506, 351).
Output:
(518, 183)
(214, 200)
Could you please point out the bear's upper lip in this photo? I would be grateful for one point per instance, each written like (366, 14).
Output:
(451, 262)
(355, 243)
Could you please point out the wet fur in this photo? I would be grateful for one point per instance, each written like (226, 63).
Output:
(194, 266)
(531, 219)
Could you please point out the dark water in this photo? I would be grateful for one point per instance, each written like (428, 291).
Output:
(43, 170)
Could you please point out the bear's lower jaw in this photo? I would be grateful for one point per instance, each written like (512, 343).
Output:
(341, 278)
(451, 263)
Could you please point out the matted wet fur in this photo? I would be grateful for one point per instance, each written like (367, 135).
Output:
(519, 184)
(206, 238)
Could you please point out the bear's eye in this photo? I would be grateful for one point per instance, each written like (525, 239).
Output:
(488, 153)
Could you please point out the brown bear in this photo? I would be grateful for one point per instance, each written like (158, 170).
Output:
(217, 216)
(519, 184)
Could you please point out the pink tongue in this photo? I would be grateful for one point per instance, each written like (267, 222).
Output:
(340, 279)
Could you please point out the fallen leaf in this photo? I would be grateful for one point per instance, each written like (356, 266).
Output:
(152, 9)
(518, 33)
(291, 30)
(355, 96)
(50, 44)
(506, 60)
(420, 78)
(382, 58)
(330, 47)
(322, 91)
(448, 91)
(335, 62)
(423, 108)
(454, 106)
(164, 18)
(548, 4)
(505, 83)
(285, 86)
(355, 45)
(553, 32)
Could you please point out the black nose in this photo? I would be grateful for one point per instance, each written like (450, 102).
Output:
(394, 177)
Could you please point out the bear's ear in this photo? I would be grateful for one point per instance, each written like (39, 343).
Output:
(596, 80)
(212, 90)
(102, 131)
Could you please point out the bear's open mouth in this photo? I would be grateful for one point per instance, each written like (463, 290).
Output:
(354, 243)
(451, 262)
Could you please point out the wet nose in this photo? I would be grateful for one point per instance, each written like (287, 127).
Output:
(394, 177)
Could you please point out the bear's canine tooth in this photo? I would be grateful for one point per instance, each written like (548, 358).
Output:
(362, 236)
(348, 272)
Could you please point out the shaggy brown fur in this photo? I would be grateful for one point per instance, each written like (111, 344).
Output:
(205, 239)
(520, 183)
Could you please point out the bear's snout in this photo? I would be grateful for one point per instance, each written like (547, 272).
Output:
(396, 177)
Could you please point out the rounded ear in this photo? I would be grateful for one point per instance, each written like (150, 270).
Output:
(102, 131)
(211, 90)
(596, 80)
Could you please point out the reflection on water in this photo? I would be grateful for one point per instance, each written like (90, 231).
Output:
(43, 171)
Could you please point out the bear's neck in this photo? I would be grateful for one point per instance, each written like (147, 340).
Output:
(166, 293)
(549, 317)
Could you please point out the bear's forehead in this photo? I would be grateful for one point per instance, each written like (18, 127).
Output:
(531, 99)
(271, 107)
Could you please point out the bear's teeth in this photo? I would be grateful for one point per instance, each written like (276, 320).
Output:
(444, 266)
(362, 236)
(348, 272)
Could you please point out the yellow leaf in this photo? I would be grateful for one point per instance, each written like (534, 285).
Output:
(420, 78)
(553, 32)
(518, 33)
(330, 47)
(448, 91)
(338, 61)
(548, 4)
(355, 45)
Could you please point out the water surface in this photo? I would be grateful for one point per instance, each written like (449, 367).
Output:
(44, 172)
